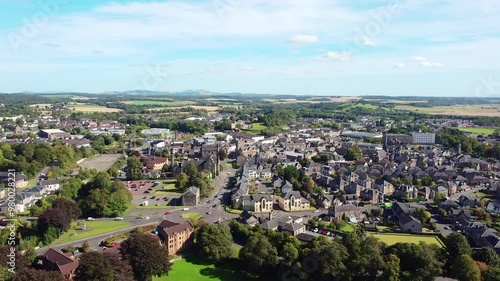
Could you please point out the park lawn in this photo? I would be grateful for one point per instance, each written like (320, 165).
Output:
(479, 130)
(184, 270)
(257, 127)
(391, 239)
(194, 216)
(93, 228)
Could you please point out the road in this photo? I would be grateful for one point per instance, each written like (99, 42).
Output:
(222, 186)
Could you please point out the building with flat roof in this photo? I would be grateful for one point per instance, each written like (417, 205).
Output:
(53, 134)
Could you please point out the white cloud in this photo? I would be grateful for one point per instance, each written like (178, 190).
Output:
(338, 56)
(399, 65)
(424, 62)
(248, 69)
(369, 42)
(304, 39)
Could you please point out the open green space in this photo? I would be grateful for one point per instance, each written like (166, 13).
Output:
(257, 127)
(393, 238)
(346, 228)
(193, 216)
(191, 270)
(479, 130)
(93, 228)
(160, 103)
(457, 110)
(233, 211)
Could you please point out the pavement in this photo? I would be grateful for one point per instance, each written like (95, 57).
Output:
(222, 188)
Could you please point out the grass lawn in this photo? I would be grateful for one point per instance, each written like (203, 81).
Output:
(479, 131)
(391, 239)
(191, 270)
(31, 183)
(481, 194)
(233, 211)
(93, 228)
(194, 216)
(347, 228)
(257, 127)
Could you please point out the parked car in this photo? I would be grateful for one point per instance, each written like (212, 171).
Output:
(168, 213)
(185, 209)
(316, 230)
(209, 212)
(90, 219)
(118, 219)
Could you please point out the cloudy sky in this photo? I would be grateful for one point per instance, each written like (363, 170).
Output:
(315, 47)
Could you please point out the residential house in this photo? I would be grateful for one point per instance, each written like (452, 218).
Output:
(49, 185)
(405, 191)
(404, 214)
(258, 203)
(293, 201)
(175, 236)
(54, 260)
(347, 211)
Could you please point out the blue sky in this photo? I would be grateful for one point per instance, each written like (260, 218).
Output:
(311, 47)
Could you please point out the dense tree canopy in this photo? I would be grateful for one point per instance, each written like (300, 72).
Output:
(145, 256)
(214, 241)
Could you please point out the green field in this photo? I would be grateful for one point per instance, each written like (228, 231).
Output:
(257, 127)
(160, 103)
(479, 131)
(192, 270)
(391, 239)
(457, 110)
(93, 228)
(82, 107)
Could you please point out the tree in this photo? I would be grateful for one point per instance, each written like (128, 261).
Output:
(466, 269)
(422, 215)
(290, 254)
(69, 206)
(71, 188)
(94, 266)
(30, 274)
(329, 257)
(145, 256)
(191, 170)
(442, 212)
(457, 245)
(377, 212)
(214, 241)
(492, 274)
(353, 153)
(417, 262)
(134, 168)
(122, 270)
(182, 181)
(55, 217)
(438, 197)
(86, 248)
(391, 269)
(488, 256)
(365, 257)
(258, 255)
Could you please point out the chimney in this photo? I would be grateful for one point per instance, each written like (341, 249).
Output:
(271, 215)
